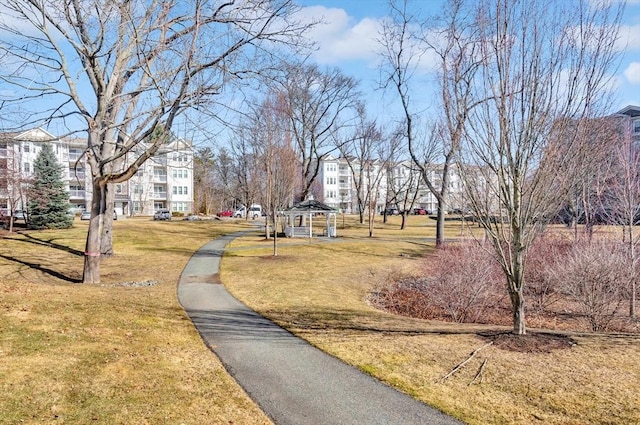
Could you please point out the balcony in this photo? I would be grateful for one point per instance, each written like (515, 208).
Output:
(79, 175)
(160, 178)
(159, 195)
(77, 194)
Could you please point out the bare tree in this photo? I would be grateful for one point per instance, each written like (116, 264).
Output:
(126, 70)
(204, 181)
(623, 196)
(317, 102)
(403, 187)
(587, 172)
(13, 183)
(451, 40)
(360, 151)
(545, 67)
(271, 143)
(249, 175)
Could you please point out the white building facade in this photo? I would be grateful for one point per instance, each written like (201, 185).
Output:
(399, 185)
(163, 181)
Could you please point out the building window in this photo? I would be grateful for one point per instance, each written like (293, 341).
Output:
(137, 189)
(331, 180)
(180, 173)
(26, 147)
(26, 167)
(137, 206)
(636, 126)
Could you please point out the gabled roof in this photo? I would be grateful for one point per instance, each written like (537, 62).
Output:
(310, 205)
(32, 135)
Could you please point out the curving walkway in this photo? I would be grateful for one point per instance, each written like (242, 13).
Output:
(292, 381)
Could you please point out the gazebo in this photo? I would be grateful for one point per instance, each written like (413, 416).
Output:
(307, 209)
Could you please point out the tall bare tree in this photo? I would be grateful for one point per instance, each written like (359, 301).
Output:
(623, 195)
(450, 40)
(319, 102)
(272, 146)
(204, 181)
(545, 67)
(125, 70)
(360, 150)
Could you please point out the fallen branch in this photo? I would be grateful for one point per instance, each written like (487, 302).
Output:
(461, 365)
(480, 372)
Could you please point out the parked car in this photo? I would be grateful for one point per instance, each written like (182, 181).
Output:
(162, 214)
(420, 211)
(192, 217)
(86, 215)
(225, 213)
(392, 211)
(255, 211)
(20, 215)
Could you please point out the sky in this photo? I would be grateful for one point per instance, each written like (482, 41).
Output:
(348, 41)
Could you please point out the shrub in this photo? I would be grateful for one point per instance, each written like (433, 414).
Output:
(459, 283)
(541, 288)
(594, 275)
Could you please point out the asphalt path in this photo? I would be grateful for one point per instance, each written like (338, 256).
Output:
(292, 382)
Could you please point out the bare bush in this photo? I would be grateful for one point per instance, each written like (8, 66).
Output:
(406, 296)
(542, 289)
(595, 275)
(460, 283)
(463, 282)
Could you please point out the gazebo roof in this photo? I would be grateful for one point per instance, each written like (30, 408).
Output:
(310, 205)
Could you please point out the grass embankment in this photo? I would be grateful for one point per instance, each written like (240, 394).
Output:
(318, 290)
(78, 354)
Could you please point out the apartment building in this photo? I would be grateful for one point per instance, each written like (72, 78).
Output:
(631, 117)
(341, 179)
(397, 185)
(164, 181)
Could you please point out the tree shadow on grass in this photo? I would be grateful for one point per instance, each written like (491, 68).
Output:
(49, 244)
(352, 324)
(41, 268)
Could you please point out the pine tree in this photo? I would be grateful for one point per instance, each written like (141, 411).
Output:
(48, 196)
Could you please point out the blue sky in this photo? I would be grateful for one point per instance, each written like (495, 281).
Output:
(347, 41)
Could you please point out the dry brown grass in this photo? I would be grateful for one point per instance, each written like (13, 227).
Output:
(73, 353)
(318, 290)
(109, 354)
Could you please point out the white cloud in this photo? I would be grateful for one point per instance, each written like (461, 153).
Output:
(632, 73)
(339, 37)
(629, 39)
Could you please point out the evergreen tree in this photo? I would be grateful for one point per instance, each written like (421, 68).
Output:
(48, 196)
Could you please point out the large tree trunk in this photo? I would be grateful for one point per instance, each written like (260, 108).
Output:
(516, 285)
(517, 304)
(91, 271)
(106, 240)
(440, 224)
